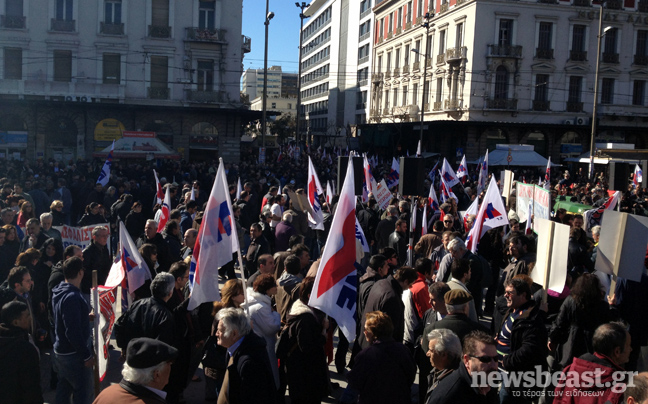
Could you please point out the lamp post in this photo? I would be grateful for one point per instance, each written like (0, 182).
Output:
(302, 6)
(601, 34)
(427, 27)
(269, 16)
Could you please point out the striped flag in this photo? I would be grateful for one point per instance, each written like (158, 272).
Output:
(104, 175)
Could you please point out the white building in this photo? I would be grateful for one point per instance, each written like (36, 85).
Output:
(73, 70)
(509, 72)
(279, 83)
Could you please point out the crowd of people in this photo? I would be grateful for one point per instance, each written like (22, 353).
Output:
(443, 312)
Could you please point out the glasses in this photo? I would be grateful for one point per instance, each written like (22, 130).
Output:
(447, 221)
(509, 293)
(485, 358)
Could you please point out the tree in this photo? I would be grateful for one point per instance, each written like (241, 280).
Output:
(283, 127)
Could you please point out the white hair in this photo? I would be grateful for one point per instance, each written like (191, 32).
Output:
(446, 342)
(456, 308)
(162, 285)
(141, 377)
(152, 221)
(457, 245)
(97, 229)
(48, 215)
(596, 230)
(287, 217)
(234, 320)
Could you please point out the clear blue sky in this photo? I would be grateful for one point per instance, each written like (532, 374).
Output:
(283, 37)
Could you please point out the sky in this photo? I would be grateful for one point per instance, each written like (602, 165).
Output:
(283, 35)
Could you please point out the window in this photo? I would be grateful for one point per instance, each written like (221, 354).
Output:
(206, 13)
(386, 98)
(459, 35)
(544, 35)
(439, 90)
(505, 32)
(14, 8)
(274, 105)
(289, 106)
(638, 92)
(62, 65)
(379, 64)
(578, 38)
(64, 10)
(13, 63)
(399, 17)
(442, 39)
(611, 41)
(390, 28)
(111, 68)
(575, 85)
(541, 86)
(407, 52)
(409, 12)
(112, 13)
(419, 8)
(642, 42)
(429, 45)
(388, 61)
(607, 91)
(395, 97)
(206, 75)
(380, 28)
(159, 71)
(415, 93)
(160, 15)
(501, 83)
(417, 54)
(405, 95)
(397, 59)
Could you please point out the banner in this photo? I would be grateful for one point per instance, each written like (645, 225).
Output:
(541, 201)
(81, 236)
(106, 319)
(382, 195)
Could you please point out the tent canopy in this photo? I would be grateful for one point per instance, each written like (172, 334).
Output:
(521, 155)
(140, 145)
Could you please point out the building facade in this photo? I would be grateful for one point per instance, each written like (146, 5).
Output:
(75, 73)
(280, 83)
(508, 72)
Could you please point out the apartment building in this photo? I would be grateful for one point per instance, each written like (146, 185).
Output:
(502, 71)
(74, 70)
(280, 83)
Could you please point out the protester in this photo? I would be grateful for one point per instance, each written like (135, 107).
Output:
(444, 353)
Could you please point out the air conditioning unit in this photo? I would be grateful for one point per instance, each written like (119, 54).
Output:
(580, 120)
(69, 98)
(569, 122)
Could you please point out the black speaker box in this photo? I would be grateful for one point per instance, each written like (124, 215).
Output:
(411, 176)
(619, 176)
(358, 173)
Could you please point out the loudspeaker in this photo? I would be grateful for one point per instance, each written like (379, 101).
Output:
(619, 176)
(411, 176)
(358, 173)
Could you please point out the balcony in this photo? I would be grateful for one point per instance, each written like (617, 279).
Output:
(205, 97)
(374, 112)
(390, 35)
(406, 69)
(505, 51)
(574, 106)
(158, 93)
(63, 25)
(640, 60)
(444, 8)
(386, 111)
(361, 105)
(452, 105)
(364, 36)
(453, 54)
(540, 105)
(426, 107)
(159, 31)
(363, 59)
(643, 6)
(380, 40)
(247, 44)
(582, 3)
(363, 82)
(408, 25)
(613, 5)
(376, 77)
(428, 62)
(441, 59)
(317, 112)
(577, 56)
(387, 75)
(396, 71)
(610, 57)
(318, 95)
(112, 29)
(398, 30)
(416, 66)
(460, 2)
(12, 21)
(437, 106)
(546, 54)
(204, 35)
(365, 13)
(419, 20)
(509, 104)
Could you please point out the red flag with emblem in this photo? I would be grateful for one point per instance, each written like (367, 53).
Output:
(165, 210)
(159, 193)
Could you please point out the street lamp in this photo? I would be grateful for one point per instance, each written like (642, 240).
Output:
(269, 16)
(601, 34)
(427, 27)
(302, 6)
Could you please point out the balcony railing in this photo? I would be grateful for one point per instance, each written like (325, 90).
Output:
(506, 51)
(509, 104)
(63, 25)
(390, 35)
(419, 20)
(205, 96)
(363, 82)
(158, 93)
(578, 56)
(641, 60)
(540, 105)
(610, 57)
(459, 2)
(365, 13)
(205, 35)
(374, 112)
(613, 5)
(428, 62)
(396, 71)
(380, 40)
(406, 69)
(416, 66)
(643, 6)
(386, 111)
(456, 53)
(544, 53)
(159, 31)
(444, 7)
(436, 106)
(426, 107)
(363, 59)
(318, 112)
(582, 3)
(112, 29)
(398, 30)
(376, 77)
(441, 58)
(364, 36)
(574, 106)
(12, 21)
(408, 25)
(451, 104)
(387, 75)
(247, 44)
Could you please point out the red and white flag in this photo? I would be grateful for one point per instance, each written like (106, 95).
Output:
(336, 282)
(215, 244)
(419, 152)
(593, 217)
(446, 191)
(159, 193)
(393, 177)
(316, 220)
(424, 220)
(370, 182)
(547, 180)
(165, 210)
(329, 194)
(637, 177)
(483, 175)
(462, 170)
(448, 175)
(491, 214)
(473, 209)
(433, 201)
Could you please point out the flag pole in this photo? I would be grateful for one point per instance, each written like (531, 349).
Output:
(97, 347)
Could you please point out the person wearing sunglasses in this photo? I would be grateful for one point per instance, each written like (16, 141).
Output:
(479, 358)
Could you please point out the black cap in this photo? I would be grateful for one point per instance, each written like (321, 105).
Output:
(144, 353)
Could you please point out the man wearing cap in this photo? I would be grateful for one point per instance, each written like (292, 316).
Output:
(145, 373)
(457, 304)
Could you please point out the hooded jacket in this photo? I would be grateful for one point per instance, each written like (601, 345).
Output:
(19, 367)
(595, 394)
(71, 321)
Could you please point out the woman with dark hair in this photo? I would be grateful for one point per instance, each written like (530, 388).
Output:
(40, 275)
(91, 215)
(580, 314)
(171, 235)
(393, 382)
(578, 260)
(215, 356)
(10, 248)
(149, 253)
(26, 213)
(51, 252)
(306, 366)
(135, 221)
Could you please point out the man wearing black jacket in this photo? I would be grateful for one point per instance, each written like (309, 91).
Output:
(151, 236)
(96, 257)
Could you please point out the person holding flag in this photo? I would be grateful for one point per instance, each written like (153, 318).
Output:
(547, 179)
(393, 177)
(316, 220)
(104, 175)
(483, 174)
(492, 214)
(637, 177)
(462, 170)
(159, 193)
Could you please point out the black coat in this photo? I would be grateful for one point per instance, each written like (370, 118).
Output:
(455, 389)
(460, 324)
(384, 228)
(386, 296)
(149, 317)
(250, 375)
(164, 258)
(95, 258)
(398, 242)
(528, 340)
(135, 224)
(19, 367)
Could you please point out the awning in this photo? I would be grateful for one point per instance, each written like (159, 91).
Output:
(139, 145)
(521, 155)
(585, 159)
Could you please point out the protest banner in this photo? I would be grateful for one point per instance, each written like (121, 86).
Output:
(541, 203)
(508, 184)
(550, 269)
(540, 198)
(80, 236)
(523, 194)
(382, 195)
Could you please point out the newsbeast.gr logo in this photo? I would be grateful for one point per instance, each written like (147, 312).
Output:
(541, 379)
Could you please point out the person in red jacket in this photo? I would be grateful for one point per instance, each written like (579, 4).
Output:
(419, 288)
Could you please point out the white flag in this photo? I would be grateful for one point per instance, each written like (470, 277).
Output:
(104, 176)
(316, 220)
